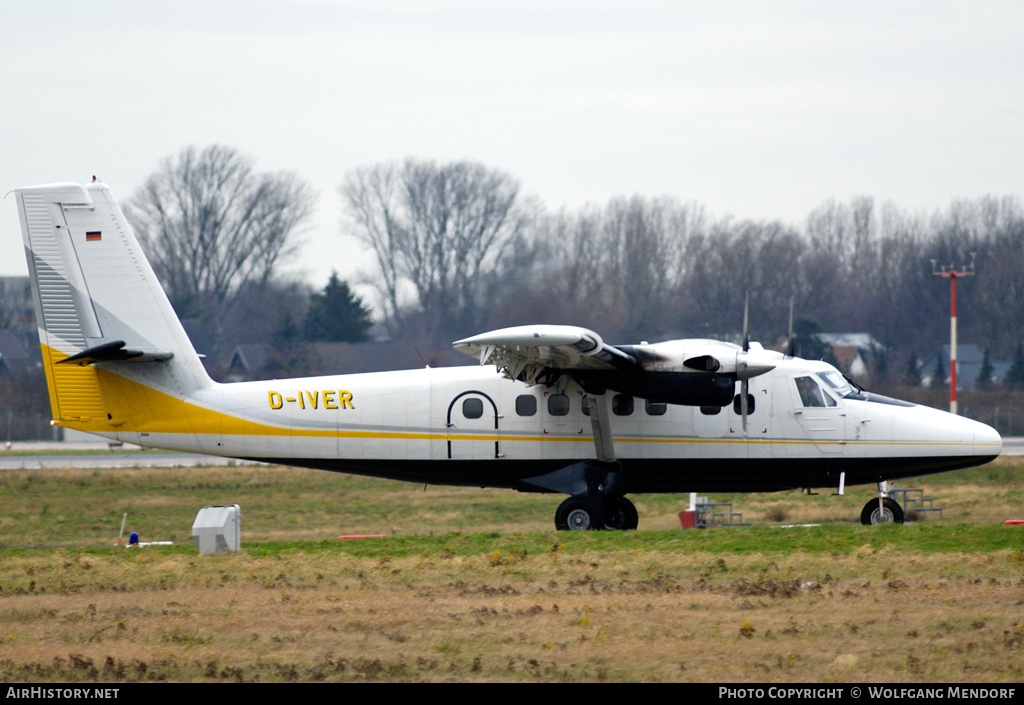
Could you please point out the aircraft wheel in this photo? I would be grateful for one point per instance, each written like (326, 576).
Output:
(621, 516)
(891, 513)
(579, 513)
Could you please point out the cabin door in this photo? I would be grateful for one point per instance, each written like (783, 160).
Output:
(819, 415)
(472, 427)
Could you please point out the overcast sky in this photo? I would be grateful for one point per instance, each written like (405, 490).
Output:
(759, 110)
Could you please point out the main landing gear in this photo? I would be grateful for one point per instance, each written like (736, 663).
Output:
(581, 513)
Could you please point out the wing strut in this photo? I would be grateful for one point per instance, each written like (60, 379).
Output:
(600, 422)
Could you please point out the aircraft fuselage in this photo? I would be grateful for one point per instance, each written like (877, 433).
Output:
(471, 426)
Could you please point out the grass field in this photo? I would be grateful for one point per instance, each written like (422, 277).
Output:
(475, 585)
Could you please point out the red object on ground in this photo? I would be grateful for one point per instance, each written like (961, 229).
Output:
(688, 519)
(1013, 522)
(362, 536)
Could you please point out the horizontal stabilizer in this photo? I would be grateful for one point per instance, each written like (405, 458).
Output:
(115, 352)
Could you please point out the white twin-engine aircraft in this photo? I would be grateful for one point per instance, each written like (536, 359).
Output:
(560, 410)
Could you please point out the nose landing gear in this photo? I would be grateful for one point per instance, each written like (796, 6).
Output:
(883, 510)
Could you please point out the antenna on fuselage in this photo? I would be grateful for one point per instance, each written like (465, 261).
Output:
(426, 365)
(747, 366)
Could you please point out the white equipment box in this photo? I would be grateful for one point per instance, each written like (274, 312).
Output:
(218, 529)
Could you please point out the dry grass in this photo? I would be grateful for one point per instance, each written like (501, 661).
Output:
(509, 616)
(568, 608)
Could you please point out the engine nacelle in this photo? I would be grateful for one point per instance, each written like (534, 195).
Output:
(686, 388)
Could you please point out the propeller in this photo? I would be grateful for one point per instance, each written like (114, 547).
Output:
(749, 363)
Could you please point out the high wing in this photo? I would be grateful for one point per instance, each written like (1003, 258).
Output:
(691, 372)
(533, 353)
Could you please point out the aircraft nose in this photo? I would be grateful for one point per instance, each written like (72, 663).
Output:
(987, 440)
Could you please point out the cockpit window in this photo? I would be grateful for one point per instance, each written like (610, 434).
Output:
(836, 381)
(811, 394)
(848, 389)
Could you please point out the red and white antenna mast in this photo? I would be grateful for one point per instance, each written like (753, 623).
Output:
(952, 274)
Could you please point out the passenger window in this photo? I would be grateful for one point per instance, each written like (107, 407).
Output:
(472, 408)
(558, 405)
(737, 404)
(585, 403)
(526, 405)
(811, 394)
(710, 410)
(655, 408)
(622, 405)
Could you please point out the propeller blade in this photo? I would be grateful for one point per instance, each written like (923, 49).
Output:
(746, 319)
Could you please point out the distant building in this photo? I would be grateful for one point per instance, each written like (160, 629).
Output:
(15, 360)
(247, 360)
(969, 359)
(17, 319)
(853, 352)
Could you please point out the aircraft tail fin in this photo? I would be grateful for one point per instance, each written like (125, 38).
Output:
(109, 336)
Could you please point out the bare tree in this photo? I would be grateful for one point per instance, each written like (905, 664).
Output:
(766, 259)
(617, 267)
(438, 230)
(211, 225)
(15, 301)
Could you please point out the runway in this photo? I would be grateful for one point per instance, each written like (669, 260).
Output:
(98, 454)
(1013, 446)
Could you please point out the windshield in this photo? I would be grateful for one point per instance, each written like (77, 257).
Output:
(848, 389)
(837, 382)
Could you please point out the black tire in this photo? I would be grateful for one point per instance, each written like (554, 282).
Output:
(892, 513)
(621, 516)
(579, 513)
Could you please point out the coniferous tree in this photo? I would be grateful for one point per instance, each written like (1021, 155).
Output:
(984, 381)
(808, 342)
(337, 315)
(939, 375)
(912, 375)
(1015, 375)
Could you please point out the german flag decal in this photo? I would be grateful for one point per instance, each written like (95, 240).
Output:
(94, 236)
